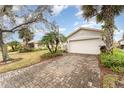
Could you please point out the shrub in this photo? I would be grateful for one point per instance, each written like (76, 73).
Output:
(15, 46)
(118, 69)
(114, 61)
(49, 55)
(26, 50)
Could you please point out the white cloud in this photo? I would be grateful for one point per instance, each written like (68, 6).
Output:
(16, 8)
(79, 13)
(62, 29)
(90, 24)
(118, 34)
(36, 30)
(76, 23)
(5, 17)
(19, 20)
(57, 9)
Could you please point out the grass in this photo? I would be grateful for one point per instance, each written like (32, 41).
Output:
(22, 60)
(114, 61)
(109, 80)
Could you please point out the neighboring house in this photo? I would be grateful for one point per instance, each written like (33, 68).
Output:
(85, 41)
(34, 44)
(121, 42)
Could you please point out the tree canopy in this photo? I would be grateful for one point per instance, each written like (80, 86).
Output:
(13, 18)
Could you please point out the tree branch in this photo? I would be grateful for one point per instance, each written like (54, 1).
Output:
(14, 29)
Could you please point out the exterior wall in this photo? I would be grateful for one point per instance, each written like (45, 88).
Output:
(36, 46)
(85, 42)
(122, 42)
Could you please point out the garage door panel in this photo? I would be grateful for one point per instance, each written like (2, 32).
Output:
(84, 46)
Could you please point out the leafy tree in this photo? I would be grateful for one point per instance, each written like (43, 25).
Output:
(10, 23)
(14, 45)
(52, 41)
(26, 35)
(53, 38)
(104, 14)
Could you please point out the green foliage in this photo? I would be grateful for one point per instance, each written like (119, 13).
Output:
(52, 39)
(15, 46)
(26, 34)
(49, 55)
(24, 50)
(114, 61)
(100, 11)
(109, 80)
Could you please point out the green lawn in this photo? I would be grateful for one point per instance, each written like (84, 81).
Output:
(22, 60)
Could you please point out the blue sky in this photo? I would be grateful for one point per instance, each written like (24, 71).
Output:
(68, 18)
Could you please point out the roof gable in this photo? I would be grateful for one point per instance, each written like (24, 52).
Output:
(84, 28)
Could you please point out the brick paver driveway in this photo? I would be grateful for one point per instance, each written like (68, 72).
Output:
(66, 71)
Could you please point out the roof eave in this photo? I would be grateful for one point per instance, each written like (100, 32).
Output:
(84, 28)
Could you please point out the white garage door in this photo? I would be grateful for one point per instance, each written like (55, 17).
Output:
(85, 46)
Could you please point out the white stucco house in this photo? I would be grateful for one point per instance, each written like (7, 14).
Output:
(85, 41)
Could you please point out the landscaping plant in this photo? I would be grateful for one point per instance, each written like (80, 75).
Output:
(114, 61)
(53, 39)
(15, 45)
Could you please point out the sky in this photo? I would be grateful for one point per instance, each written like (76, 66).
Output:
(69, 18)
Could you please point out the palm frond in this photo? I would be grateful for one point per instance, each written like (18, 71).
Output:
(89, 11)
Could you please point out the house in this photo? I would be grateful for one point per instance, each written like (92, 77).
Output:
(121, 42)
(85, 41)
(34, 44)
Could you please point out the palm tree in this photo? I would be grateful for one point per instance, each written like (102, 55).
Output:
(52, 40)
(26, 35)
(104, 14)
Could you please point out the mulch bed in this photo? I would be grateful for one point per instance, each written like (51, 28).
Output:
(104, 71)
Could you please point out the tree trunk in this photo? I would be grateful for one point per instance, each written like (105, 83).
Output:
(13, 48)
(3, 49)
(109, 41)
(109, 29)
(56, 47)
(49, 49)
(26, 44)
